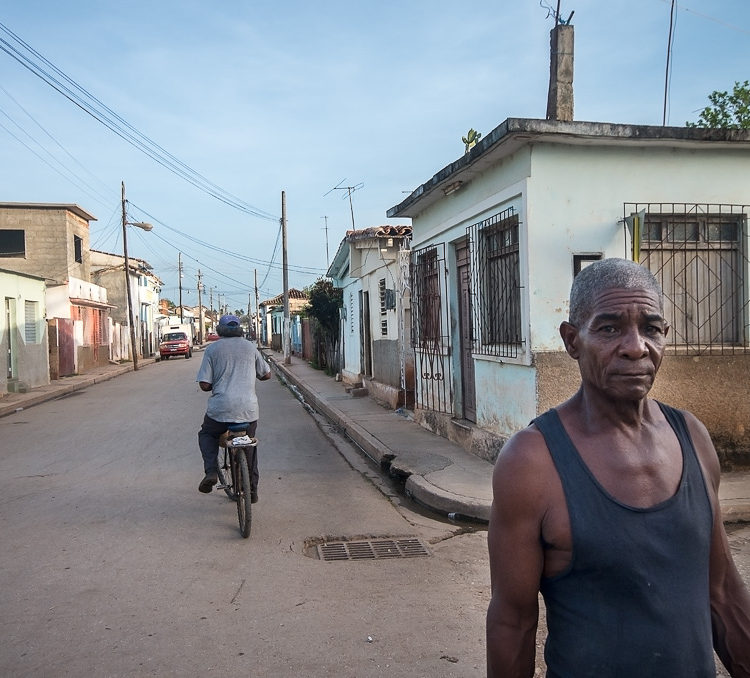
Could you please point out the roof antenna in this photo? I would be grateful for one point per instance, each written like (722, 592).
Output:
(349, 190)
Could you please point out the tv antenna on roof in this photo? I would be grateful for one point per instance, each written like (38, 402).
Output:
(349, 190)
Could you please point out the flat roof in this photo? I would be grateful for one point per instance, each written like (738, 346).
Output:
(515, 133)
(70, 207)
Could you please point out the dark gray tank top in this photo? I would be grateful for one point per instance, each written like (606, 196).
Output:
(634, 602)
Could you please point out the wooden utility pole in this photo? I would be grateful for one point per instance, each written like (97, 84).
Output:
(133, 346)
(200, 309)
(285, 337)
(179, 282)
(257, 310)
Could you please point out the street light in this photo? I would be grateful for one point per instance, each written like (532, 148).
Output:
(146, 227)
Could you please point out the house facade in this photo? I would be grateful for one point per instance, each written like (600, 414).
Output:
(51, 241)
(23, 332)
(108, 270)
(371, 267)
(499, 234)
(271, 313)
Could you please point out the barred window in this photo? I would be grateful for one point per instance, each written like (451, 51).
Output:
(427, 295)
(496, 284)
(698, 255)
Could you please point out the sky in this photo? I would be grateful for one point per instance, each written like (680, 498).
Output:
(259, 97)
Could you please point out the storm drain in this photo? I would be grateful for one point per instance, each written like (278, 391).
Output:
(372, 549)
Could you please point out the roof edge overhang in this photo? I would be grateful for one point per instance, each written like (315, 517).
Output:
(70, 207)
(514, 133)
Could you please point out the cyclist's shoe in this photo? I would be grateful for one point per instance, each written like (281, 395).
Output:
(207, 484)
(253, 497)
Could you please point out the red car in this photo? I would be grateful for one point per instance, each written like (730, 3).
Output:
(175, 343)
(212, 336)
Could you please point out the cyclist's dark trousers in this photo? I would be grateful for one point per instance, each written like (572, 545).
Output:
(208, 441)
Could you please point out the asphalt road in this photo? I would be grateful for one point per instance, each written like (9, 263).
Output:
(114, 565)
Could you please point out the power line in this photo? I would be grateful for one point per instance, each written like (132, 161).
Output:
(33, 61)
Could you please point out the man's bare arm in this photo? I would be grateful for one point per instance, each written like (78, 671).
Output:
(205, 386)
(516, 559)
(730, 600)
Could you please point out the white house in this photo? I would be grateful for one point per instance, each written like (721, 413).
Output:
(499, 234)
(372, 268)
(24, 358)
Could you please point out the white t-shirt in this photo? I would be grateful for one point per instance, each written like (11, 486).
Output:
(231, 365)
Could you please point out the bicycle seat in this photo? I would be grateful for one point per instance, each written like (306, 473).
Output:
(242, 426)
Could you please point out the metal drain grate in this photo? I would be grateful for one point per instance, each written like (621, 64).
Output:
(373, 549)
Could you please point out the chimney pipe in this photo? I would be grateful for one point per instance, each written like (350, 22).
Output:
(560, 96)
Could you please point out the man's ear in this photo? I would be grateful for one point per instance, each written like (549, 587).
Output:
(569, 334)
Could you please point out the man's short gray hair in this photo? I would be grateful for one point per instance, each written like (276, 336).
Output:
(604, 275)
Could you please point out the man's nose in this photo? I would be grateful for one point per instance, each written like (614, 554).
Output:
(633, 344)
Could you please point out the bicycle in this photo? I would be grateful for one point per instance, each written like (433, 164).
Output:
(234, 472)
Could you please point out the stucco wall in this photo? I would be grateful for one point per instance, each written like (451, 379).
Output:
(505, 396)
(716, 389)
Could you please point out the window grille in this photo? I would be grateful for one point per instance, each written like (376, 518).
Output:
(698, 253)
(496, 284)
(29, 330)
(427, 287)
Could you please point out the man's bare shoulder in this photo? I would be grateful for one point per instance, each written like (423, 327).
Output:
(524, 462)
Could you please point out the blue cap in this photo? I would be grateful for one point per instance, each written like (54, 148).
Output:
(229, 321)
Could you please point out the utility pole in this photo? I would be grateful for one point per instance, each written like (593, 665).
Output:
(200, 309)
(133, 346)
(179, 282)
(211, 302)
(257, 310)
(328, 263)
(285, 337)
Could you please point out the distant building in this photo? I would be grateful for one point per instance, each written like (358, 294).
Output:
(51, 241)
(108, 270)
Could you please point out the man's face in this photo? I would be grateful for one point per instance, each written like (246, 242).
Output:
(620, 345)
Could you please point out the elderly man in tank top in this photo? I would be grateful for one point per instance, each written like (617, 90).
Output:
(608, 506)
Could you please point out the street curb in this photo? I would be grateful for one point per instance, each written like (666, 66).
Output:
(417, 486)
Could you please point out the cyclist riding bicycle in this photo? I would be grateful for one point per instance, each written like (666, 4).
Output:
(229, 370)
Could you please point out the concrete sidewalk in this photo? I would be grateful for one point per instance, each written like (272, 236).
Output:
(437, 473)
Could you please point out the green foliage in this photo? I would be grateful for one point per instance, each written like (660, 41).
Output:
(324, 304)
(471, 138)
(323, 310)
(727, 110)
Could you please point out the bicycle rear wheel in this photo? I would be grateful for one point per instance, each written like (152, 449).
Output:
(225, 475)
(244, 512)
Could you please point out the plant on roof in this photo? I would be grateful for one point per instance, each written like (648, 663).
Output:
(727, 110)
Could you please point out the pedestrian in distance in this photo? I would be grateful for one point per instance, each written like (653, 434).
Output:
(608, 505)
(229, 370)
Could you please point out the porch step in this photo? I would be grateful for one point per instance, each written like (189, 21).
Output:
(358, 392)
